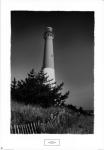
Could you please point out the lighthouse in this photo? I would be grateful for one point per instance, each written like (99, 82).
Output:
(48, 59)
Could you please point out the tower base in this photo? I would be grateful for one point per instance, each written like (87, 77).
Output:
(50, 72)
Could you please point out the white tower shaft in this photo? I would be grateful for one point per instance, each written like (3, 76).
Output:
(48, 60)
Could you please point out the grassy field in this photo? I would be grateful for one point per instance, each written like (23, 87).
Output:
(52, 120)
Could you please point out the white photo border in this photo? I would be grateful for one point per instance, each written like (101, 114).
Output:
(67, 141)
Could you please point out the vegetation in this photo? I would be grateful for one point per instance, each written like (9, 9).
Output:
(52, 119)
(37, 90)
(36, 100)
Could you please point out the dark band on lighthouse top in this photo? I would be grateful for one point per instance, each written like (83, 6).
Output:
(48, 32)
(49, 29)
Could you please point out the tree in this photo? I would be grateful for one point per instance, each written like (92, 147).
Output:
(13, 87)
(36, 89)
(81, 110)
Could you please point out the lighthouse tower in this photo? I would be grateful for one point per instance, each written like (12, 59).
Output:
(48, 59)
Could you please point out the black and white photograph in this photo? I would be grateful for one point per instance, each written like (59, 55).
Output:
(52, 72)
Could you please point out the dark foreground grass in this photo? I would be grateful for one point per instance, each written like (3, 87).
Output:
(52, 120)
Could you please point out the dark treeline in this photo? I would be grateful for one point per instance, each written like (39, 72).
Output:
(79, 110)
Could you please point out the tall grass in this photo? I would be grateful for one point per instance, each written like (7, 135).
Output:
(51, 120)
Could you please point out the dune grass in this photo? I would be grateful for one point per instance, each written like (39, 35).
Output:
(52, 120)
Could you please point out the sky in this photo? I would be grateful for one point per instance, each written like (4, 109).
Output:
(73, 49)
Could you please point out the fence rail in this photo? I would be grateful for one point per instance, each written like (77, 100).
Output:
(50, 126)
(29, 128)
(33, 127)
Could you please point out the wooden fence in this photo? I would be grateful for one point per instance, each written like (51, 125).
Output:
(29, 128)
(37, 127)
(33, 127)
